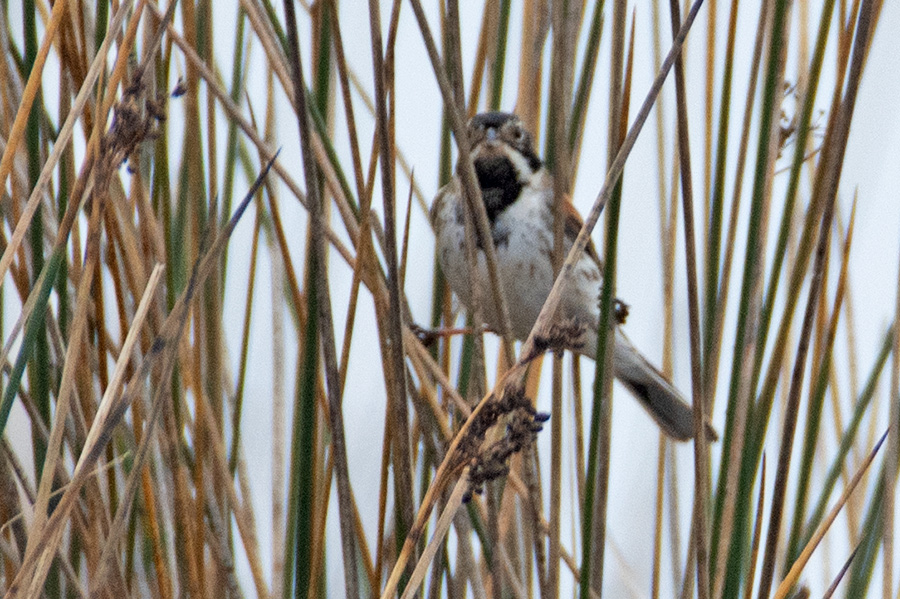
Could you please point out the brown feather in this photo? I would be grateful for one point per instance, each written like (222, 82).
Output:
(573, 225)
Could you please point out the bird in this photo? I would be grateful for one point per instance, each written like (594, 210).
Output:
(518, 195)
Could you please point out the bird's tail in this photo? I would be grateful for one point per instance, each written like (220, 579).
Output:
(660, 397)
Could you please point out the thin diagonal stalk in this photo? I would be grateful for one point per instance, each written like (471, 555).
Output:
(701, 450)
(793, 403)
(794, 574)
(245, 345)
(848, 437)
(814, 414)
(29, 95)
(757, 534)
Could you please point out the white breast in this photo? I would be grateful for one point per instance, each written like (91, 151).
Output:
(524, 247)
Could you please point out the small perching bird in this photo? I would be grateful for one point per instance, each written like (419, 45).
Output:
(518, 197)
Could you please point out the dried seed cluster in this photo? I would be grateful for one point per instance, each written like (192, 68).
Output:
(136, 118)
(521, 430)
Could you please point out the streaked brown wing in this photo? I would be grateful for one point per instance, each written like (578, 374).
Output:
(574, 222)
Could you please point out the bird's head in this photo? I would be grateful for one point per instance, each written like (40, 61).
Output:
(503, 157)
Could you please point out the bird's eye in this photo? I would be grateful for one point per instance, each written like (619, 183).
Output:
(519, 133)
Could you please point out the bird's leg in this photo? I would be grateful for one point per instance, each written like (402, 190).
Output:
(428, 337)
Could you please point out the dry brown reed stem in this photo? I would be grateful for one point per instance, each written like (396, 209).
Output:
(850, 329)
(511, 581)
(514, 528)
(668, 227)
(11, 515)
(150, 514)
(84, 183)
(277, 61)
(578, 425)
(565, 19)
(72, 362)
(450, 465)
(443, 525)
(16, 523)
(216, 539)
(793, 574)
(432, 408)
(364, 247)
(830, 324)
(392, 334)
(840, 575)
(658, 518)
(436, 372)
(277, 294)
(28, 95)
(84, 289)
(757, 533)
(400, 156)
(285, 256)
(481, 56)
(708, 104)
(535, 26)
(275, 58)
(404, 252)
(242, 515)
(509, 398)
(342, 70)
(380, 545)
(111, 391)
(532, 501)
(234, 114)
(63, 137)
(112, 409)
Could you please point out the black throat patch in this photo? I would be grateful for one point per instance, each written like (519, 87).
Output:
(499, 181)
